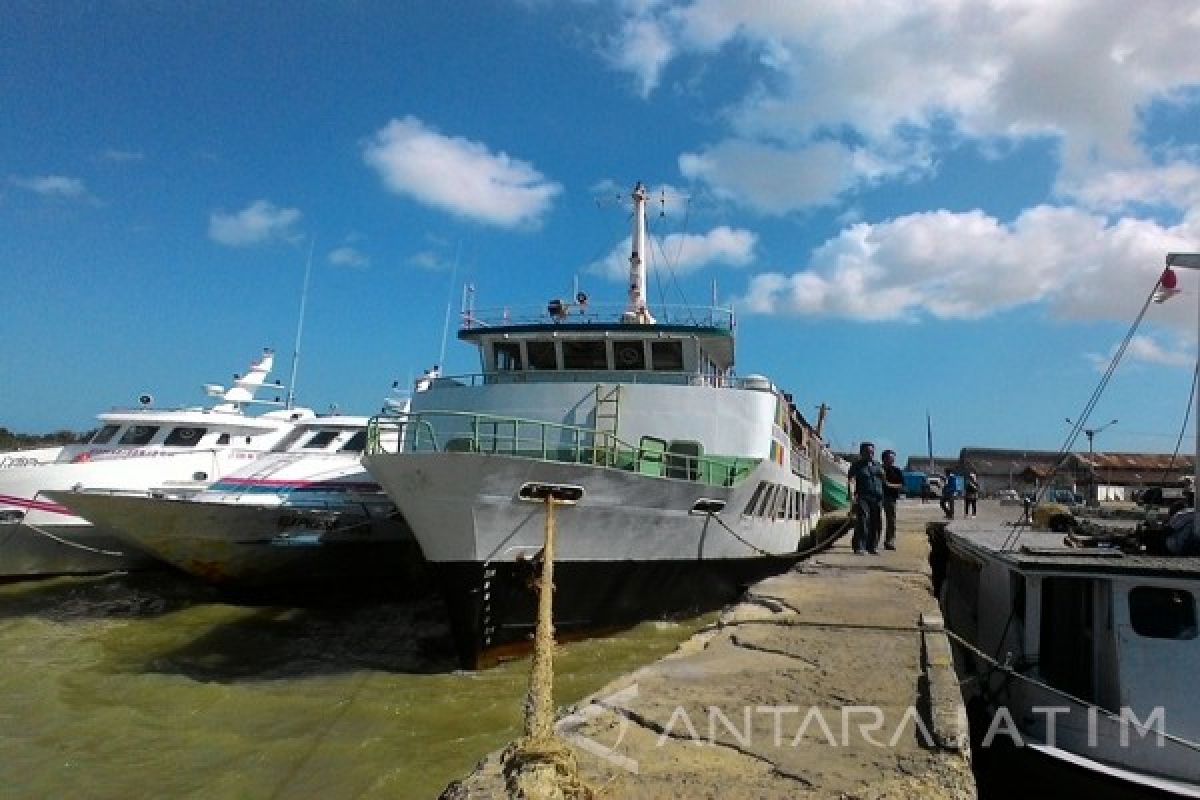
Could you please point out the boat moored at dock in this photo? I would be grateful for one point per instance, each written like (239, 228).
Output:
(1090, 651)
(684, 482)
(306, 512)
(178, 450)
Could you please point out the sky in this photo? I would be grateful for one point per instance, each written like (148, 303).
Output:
(938, 210)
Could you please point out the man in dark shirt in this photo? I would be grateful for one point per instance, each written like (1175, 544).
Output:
(867, 477)
(893, 484)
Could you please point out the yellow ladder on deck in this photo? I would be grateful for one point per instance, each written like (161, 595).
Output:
(608, 417)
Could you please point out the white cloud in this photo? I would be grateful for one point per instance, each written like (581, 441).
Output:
(643, 48)
(458, 175)
(894, 77)
(1147, 349)
(261, 221)
(1175, 185)
(430, 261)
(122, 156)
(52, 186)
(775, 180)
(683, 253)
(970, 265)
(346, 256)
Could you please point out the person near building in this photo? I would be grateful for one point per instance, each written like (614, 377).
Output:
(867, 477)
(893, 485)
(971, 496)
(947, 501)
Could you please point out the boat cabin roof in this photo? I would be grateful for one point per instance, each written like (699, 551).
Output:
(1042, 552)
(603, 345)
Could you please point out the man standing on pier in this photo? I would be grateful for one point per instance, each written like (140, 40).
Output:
(893, 484)
(867, 477)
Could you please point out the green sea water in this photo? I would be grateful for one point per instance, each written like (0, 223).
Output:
(154, 686)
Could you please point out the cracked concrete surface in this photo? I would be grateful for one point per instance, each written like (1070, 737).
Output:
(814, 686)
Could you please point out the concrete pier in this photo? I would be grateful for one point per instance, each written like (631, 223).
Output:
(833, 680)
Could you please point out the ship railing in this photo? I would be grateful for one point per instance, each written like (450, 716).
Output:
(587, 376)
(566, 313)
(466, 432)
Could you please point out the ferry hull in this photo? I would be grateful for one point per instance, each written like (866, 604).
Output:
(28, 551)
(493, 607)
(256, 545)
(633, 547)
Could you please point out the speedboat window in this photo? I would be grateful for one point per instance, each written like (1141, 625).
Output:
(139, 434)
(289, 440)
(1159, 612)
(105, 434)
(667, 356)
(508, 356)
(320, 439)
(223, 438)
(185, 437)
(541, 355)
(585, 355)
(629, 355)
(357, 443)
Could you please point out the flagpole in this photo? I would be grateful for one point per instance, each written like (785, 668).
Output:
(1192, 261)
(929, 439)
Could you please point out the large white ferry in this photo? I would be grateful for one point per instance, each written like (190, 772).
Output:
(688, 481)
(305, 512)
(135, 449)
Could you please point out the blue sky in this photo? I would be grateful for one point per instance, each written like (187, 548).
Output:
(952, 207)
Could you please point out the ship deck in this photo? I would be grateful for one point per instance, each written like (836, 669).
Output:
(1042, 551)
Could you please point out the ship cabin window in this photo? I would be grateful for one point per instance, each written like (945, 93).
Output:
(320, 440)
(356, 444)
(667, 355)
(139, 434)
(283, 445)
(185, 437)
(629, 354)
(1159, 612)
(223, 439)
(585, 354)
(105, 434)
(507, 356)
(785, 499)
(752, 503)
(541, 355)
(768, 502)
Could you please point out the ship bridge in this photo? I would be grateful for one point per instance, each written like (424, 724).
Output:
(686, 345)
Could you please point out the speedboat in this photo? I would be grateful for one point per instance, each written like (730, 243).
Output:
(178, 450)
(305, 512)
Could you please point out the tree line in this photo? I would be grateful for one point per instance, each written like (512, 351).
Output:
(26, 441)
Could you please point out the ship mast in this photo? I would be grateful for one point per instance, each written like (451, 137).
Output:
(636, 312)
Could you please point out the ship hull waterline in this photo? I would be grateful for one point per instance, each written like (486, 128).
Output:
(633, 548)
(257, 545)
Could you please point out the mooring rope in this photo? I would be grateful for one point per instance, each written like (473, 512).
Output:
(1012, 674)
(795, 555)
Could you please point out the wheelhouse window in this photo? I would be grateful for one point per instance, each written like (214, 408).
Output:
(105, 434)
(185, 437)
(667, 356)
(585, 355)
(507, 356)
(320, 440)
(1159, 612)
(139, 435)
(629, 355)
(541, 355)
(356, 444)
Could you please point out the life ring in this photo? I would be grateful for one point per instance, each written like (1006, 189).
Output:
(86, 455)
